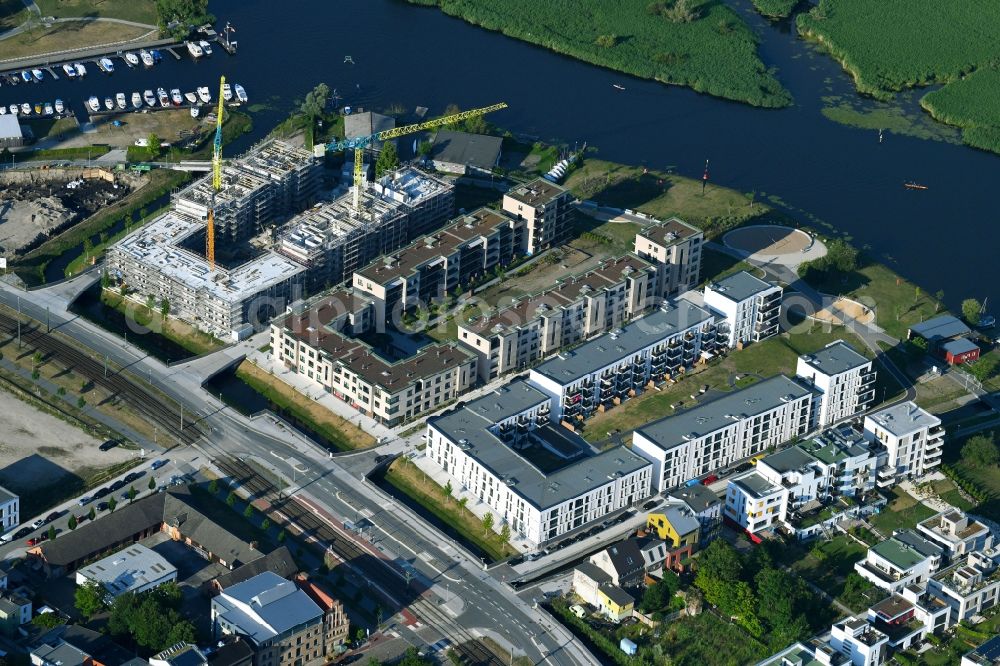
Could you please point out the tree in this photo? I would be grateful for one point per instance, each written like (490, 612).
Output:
(213, 486)
(154, 143)
(165, 307)
(282, 536)
(248, 512)
(71, 523)
(388, 159)
(505, 532)
(88, 246)
(606, 41)
(52, 532)
(424, 148)
(81, 402)
(151, 618)
(448, 488)
(487, 523)
(112, 503)
(92, 514)
(89, 599)
(970, 310)
(855, 591)
(176, 16)
(658, 595)
(231, 498)
(938, 299)
(981, 450)
(265, 524)
(47, 620)
(152, 483)
(132, 492)
(315, 101)
(150, 300)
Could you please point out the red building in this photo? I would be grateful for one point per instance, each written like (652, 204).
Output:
(960, 350)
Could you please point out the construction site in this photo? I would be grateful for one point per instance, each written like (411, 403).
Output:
(35, 205)
(240, 245)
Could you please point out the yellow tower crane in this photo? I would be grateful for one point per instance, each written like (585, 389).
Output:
(216, 178)
(360, 143)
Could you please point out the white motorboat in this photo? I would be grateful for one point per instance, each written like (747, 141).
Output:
(47, 109)
(195, 50)
(106, 65)
(204, 95)
(38, 74)
(3, 110)
(191, 98)
(136, 100)
(194, 112)
(120, 101)
(132, 59)
(25, 109)
(161, 94)
(13, 109)
(26, 76)
(94, 104)
(227, 92)
(206, 47)
(175, 97)
(80, 69)
(69, 70)
(109, 104)
(60, 107)
(147, 58)
(149, 98)
(241, 94)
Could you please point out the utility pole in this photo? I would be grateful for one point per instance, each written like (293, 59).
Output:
(48, 325)
(18, 322)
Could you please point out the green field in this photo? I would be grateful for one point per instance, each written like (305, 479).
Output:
(140, 11)
(707, 48)
(972, 103)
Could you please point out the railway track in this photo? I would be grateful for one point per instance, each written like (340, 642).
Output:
(469, 647)
(139, 399)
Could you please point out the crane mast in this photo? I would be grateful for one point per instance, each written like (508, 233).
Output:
(216, 179)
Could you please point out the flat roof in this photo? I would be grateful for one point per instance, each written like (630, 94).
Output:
(157, 246)
(674, 318)
(940, 328)
(409, 186)
(669, 231)
(478, 150)
(754, 484)
(797, 655)
(905, 549)
(538, 192)
(904, 418)
(698, 497)
(788, 460)
(835, 358)
(959, 346)
(567, 291)
(835, 444)
(129, 569)
(988, 651)
(469, 427)
(10, 127)
(755, 399)
(740, 286)
(471, 227)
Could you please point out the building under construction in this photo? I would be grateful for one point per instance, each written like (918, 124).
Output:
(270, 182)
(155, 261)
(333, 240)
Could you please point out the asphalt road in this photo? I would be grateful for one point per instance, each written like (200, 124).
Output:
(474, 600)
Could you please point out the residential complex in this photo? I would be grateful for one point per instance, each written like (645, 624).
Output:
(749, 306)
(904, 559)
(545, 209)
(576, 308)
(844, 378)
(713, 435)
(970, 585)
(605, 371)
(487, 447)
(913, 438)
(674, 246)
(956, 533)
(316, 340)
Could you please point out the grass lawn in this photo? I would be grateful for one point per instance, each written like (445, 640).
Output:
(339, 431)
(140, 11)
(44, 127)
(767, 358)
(986, 477)
(903, 512)
(12, 13)
(662, 195)
(898, 303)
(187, 336)
(947, 491)
(939, 395)
(716, 265)
(68, 36)
(407, 478)
(827, 563)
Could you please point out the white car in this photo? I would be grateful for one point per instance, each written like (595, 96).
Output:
(38, 523)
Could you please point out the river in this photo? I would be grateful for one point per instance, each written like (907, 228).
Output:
(414, 56)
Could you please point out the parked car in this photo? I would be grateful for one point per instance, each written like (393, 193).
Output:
(650, 504)
(85, 500)
(38, 523)
(108, 445)
(103, 506)
(117, 485)
(103, 492)
(53, 516)
(4, 538)
(157, 464)
(23, 532)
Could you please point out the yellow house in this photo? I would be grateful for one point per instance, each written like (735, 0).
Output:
(614, 602)
(676, 525)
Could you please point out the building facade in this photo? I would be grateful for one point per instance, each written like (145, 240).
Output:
(750, 307)
(913, 438)
(674, 247)
(904, 559)
(546, 210)
(844, 379)
(10, 511)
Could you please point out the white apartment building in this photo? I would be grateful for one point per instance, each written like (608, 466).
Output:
(844, 379)
(908, 617)
(576, 308)
(749, 305)
(861, 643)
(709, 437)
(608, 370)
(971, 585)
(913, 438)
(958, 534)
(674, 246)
(904, 559)
(487, 448)
(753, 502)
(10, 511)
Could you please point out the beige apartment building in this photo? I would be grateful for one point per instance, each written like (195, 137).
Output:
(315, 341)
(545, 208)
(577, 308)
(675, 247)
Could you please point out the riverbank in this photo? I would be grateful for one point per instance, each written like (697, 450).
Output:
(71, 36)
(971, 104)
(701, 45)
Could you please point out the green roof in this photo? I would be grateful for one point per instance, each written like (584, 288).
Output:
(899, 554)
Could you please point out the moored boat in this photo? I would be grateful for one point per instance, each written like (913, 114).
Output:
(47, 109)
(38, 75)
(241, 94)
(149, 98)
(161, 94)
(132, 59)
(206, 47)
(26, 76)
(204, 94)
(120, 101)
(194, 50)
(25, 109)
(194, 112)
(191, 98)
(109, 104)
(136, 100)
(80, 69)
(13, 109)
(106, 65)
(38, 108)
(227, 92)
(69, 70)
(60, 107)
(175, 97)
(94, 104)
(147, 58)
(3, 110)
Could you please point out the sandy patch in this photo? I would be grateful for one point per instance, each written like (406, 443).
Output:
(843, 310)
(768, 240)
